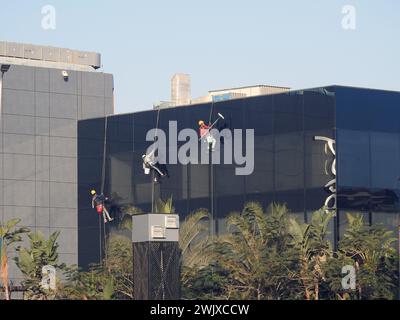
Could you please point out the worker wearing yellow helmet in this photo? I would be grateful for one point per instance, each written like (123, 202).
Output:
(206, 135)
(203, 128)
(98, 202)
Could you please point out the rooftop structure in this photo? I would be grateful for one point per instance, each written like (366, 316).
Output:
(48, 57)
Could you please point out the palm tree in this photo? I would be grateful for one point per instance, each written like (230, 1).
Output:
(370, 250)
(257, 256)
(9, 234)
(127, 214)
(194, 243)
(242, 253)
(42, 252)
(94, 284)
(118, 268)
(314, 249)
(164, 206)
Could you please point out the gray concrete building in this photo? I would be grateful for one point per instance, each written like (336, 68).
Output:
(44, 93)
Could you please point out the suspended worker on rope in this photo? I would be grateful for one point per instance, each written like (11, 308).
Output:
(98, 202)
(206, 134)
(151, 164)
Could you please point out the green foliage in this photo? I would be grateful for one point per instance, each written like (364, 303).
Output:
(263, 255)
(127, 214)
(80, 285)
(371, 251)
(270, 255)
(111, 280)
(313, 251)
(42, 252)
(10, 233)
(195, 246)
(164, 206)
(119, 266)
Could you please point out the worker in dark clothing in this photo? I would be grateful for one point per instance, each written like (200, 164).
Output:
(98, 203)
(151, 164)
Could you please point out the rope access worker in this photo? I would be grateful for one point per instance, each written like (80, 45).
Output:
(206, 136)
(150, 163)
(98, 202)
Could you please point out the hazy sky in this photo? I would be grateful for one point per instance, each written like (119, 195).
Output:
(221, 43)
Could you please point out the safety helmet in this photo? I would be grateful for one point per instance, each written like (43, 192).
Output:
(201, 122)
(93, 192)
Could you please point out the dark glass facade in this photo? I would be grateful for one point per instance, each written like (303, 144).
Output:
(290, 165)
(368, 140)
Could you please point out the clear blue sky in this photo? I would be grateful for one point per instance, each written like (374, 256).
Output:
(221, 43)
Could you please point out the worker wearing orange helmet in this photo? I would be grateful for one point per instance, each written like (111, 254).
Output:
(203, 128)
(205, 134)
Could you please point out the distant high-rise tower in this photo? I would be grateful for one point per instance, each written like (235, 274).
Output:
(180, 89)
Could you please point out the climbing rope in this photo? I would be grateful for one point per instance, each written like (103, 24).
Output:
(102, 224)
(103, 170)
(153, 173)
(211, 186)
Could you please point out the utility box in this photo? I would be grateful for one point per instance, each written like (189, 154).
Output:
(156, 256)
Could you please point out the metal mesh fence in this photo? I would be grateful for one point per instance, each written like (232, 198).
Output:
(156, 270)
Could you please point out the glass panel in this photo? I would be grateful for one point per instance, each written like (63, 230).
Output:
(353, 158)
(288, 112)
(289, 161)
(385, 160)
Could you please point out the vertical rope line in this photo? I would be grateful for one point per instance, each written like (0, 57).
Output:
(152, 175)
(103, 170)
(211, 177)
(102, 224)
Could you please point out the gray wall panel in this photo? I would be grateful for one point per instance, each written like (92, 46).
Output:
(93, 84)
(42, 168)
(42, 217)
(18, 143)
(19, 78)
(42, 194)
(63, 147)
(63, 128)
(63, 106)
(63, 169)
(42, 79)
(108, 85)
(109, 106)
(63, 218)
(92, 107)
(19, 166)
(42, 144)
(18, 124)
(42, 104)
(42, 126)
(63, 195)
(59, 85)
(19, 193)
(19, 102)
